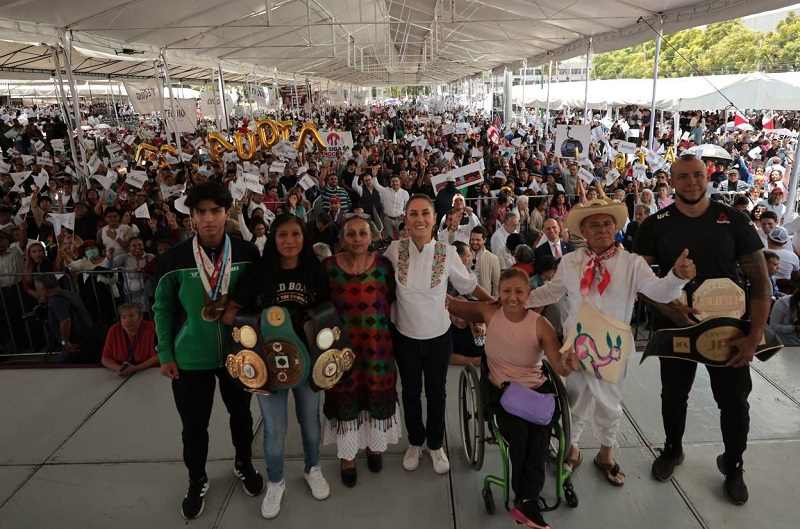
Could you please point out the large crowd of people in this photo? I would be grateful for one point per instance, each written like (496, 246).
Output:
(383, 230)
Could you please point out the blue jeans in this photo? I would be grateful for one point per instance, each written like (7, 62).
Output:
(274, 411)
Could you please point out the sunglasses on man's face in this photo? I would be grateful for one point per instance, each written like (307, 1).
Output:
(359, 215)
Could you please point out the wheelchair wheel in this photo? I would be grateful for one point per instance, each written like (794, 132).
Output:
(569, 495)
(488, 500)
(470, 416)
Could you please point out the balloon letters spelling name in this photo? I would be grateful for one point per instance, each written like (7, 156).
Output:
(268, 134)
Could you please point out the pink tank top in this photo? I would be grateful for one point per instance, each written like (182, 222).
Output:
(513, 351)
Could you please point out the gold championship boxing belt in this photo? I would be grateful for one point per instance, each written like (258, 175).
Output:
(264, 352)
(703, 343)
(331, 353)
(601, 343)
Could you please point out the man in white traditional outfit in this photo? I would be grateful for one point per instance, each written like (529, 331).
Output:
(602, 281)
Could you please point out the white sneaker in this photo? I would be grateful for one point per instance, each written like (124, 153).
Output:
(271, 505)
(318, 484)
(441, 465)
(411, 459)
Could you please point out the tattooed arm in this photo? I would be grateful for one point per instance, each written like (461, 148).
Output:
(754, 267)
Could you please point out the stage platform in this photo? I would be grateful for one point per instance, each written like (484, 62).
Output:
(83, 449)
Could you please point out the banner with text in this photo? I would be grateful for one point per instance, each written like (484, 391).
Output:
(146, 96)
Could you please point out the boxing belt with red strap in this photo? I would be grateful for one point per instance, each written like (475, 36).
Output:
(331, 353)
(704, 342)
(264, 352)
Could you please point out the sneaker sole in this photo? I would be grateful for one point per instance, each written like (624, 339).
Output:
(241, 478)
(521, 519)
(202, 505)
(677, 463)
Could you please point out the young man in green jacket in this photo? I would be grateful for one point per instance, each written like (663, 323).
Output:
(194, 279)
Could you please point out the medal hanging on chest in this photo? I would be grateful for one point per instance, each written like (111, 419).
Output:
(216, 278)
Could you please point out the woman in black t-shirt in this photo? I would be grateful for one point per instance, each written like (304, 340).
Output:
(289, 276)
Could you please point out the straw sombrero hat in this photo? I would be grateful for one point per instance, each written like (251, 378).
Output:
(598, 206)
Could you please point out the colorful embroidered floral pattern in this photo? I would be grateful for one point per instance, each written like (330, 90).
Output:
(439, 255)
(402, 262)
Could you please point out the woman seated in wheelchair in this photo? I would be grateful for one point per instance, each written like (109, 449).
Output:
(516, 340)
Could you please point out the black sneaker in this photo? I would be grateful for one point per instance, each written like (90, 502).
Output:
(193, 502)
(252, 482)
(664, 465)
(734, 486)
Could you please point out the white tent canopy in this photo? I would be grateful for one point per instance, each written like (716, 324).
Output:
(359, 42)
(46, 90)
(779, 91)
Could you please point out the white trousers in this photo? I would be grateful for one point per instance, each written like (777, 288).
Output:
(584, 391)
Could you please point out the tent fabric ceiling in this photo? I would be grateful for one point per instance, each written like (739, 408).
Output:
(359, 42)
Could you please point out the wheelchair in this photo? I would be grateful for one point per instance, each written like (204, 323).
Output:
(473, 417)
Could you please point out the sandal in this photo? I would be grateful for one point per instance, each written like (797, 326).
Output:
(611, 472)
(572, 463)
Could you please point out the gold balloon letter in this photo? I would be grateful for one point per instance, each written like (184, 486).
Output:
(266, 141)
(619, 162)
(142, 149)
(250, 154)
(309, 130)
(218, 145)
(286, 128)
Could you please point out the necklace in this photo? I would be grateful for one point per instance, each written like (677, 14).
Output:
(361, 269)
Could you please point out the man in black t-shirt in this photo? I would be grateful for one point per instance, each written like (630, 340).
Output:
(718, 237)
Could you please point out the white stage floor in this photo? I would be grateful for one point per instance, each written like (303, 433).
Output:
(82, 449)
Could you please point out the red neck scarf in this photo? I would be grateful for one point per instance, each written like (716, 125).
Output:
(595, 271)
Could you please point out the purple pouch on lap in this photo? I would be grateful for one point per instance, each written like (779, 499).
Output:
(537, 408)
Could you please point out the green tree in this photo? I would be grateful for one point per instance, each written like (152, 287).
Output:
(725, 47)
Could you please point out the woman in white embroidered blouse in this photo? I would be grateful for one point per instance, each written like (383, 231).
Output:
(422, 340)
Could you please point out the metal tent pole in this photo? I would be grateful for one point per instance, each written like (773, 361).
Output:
(161, 99)
(221, 81)
(67, 45)
(586, 89)
(61, 94)
(547, 109)
(791, 204)
(507, 106)
(114, 103)
(652, 130)
(171, 100)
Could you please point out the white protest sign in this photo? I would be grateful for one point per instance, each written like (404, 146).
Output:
(516, 142)
(26, 159)
(448, 129)
(129, 139)
(598, 136)
(186, 157)
(337, 142)
(466, 176)
(392, 113)
(4, 167)
(211, 104)
(62, 220)
(626, 147)
(57, 145)
(462, 128)
(19, 178)
(136, 179)
(755, 153)
(94, 164)
(475, 153)
(197, 143)
(252, 182)
(258, 95)
(793, 226)
(639, 172)
(38, 145)
(25, 206)
(180, 205)
(186, 110)
(237, 189)
(655, 161)
(449, 155)
(169, 191)
(570, 138)
(585, 175)
(41, 179)
(612, 175)
(146, 96)
(306, 182)
(142, 212)
(106, 180)
(277, 167)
